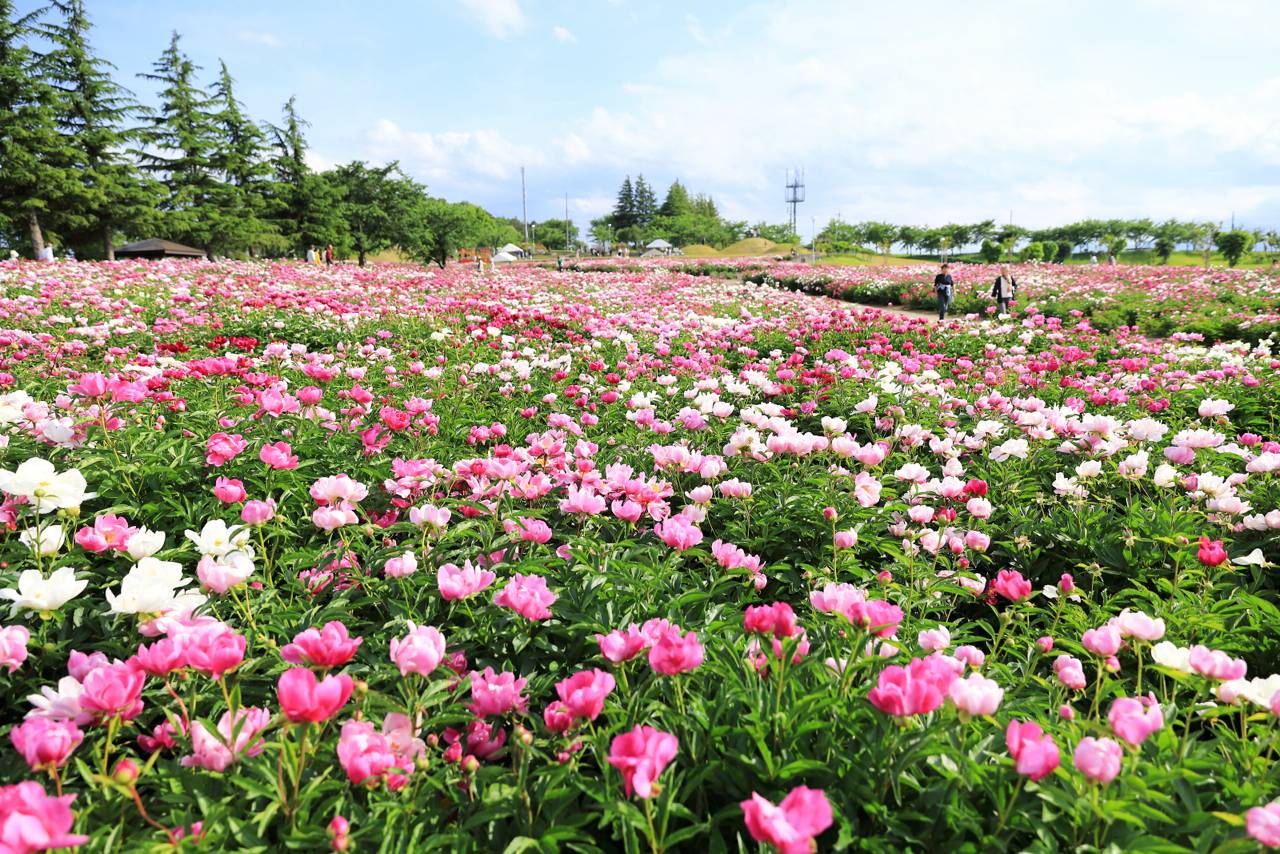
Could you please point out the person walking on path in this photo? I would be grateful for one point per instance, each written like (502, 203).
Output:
(1004, 290)
(311, 254)
(328, 255)
(945, 287)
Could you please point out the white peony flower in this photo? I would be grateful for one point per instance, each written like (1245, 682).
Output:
(51, 538)
(1173, 657)
(144, 543)
(37, 593)
(41, 484)
(216, 539)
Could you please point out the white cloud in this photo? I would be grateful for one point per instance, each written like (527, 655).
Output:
(562, 35)
(456, 158)
(943, 122)
(264, 39)
(500, 18)
(694, 27)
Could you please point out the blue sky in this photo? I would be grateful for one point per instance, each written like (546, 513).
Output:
(916, 111)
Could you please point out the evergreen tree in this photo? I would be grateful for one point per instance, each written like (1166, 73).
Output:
(303, 205)
(704, 205)
(624, 211)
(180, 139)
(91, 110)
(37, 174)
(646, 203)
(238, 158)
(677, 201)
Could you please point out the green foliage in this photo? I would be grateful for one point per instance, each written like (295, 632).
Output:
(1164, 247)
(991, 252)
(1233, 244)
(1032, 252)
(378, 205)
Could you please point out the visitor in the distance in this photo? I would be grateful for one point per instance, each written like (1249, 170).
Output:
(1004, 290)
(945, 288)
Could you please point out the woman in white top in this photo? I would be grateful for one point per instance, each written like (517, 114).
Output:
(1004, 290)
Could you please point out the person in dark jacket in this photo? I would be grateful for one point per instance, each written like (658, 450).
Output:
(1004, 290)
(945, 288)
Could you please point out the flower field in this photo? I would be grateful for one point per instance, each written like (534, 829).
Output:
(396, 559)
(1211, 305)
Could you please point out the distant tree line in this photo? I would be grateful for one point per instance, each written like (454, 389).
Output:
(682, 219)
(84, 164)
(1013, 242)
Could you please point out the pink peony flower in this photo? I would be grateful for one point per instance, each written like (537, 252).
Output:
(620, 645)
(455, 583)
(306, 699)
(221, 448)
(675, 652)
(528, 596)
(640, 755)
(112, 691)
(45, 743)
(1133, 719)
(916, 689)
(1211, 552)
(258, 512)
(216, 753)
(331, 646)
(1216, 664)
(1263, 824)
(792, 825)
(1034, 753)
(496, 693)
(678, 533)
(976, 695)
(1070, 672)
(583, 694)
(31, 820)
(420, 651)
(1011, 585)
(108, 533)
(228, 490)
(1104, 641)
(1098, 759)
(13, 646)
(279, 456)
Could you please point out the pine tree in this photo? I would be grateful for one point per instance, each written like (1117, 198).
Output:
(91, 109)
(303, 205)
(37, 175)
(646, 203)
(677, 201)
(180, 139)
(624, 211)
(238, 159)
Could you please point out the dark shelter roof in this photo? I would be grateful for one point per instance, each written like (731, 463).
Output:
(154, 246)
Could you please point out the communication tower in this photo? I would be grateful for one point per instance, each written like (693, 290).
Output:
(795, 193)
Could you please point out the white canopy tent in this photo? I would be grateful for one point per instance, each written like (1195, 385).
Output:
(660, 244)
(511, 249)
(503, 258)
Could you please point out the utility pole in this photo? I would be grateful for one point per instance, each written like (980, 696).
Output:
(524, 207)
(567, 236)
(813, 237)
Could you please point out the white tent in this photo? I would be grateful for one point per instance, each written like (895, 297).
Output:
(511, 249)
(660, 244)
(503, 258)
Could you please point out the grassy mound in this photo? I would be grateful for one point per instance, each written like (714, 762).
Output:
(700, 250)
(750, 247)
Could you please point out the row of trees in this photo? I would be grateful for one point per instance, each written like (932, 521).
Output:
(682, 219)
(997, 242)
(85, 165)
